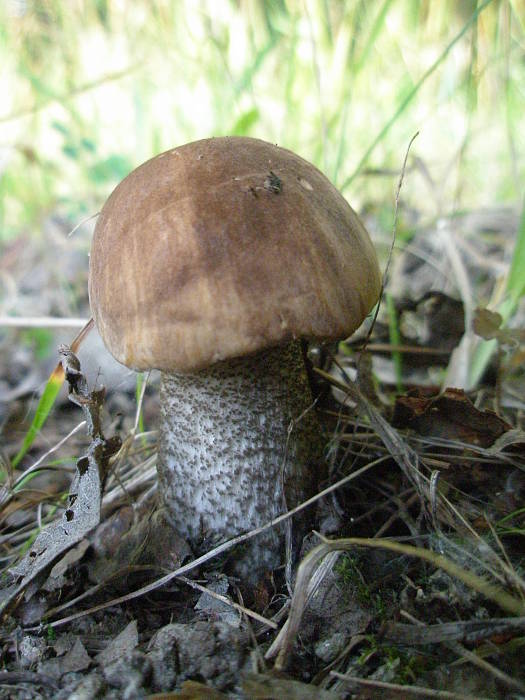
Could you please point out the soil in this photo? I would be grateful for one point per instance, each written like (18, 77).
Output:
(441, 472)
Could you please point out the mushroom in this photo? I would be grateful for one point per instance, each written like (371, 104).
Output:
(211, 262)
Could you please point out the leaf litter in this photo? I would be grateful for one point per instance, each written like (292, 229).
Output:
(419, 547)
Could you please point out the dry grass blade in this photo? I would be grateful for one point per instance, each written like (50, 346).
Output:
(311, 562)
(405, 456)
(7, 492)
(465, 631)
(481, 663)
(145, 475)
(83, 509)
(15, 677)
(319, 574)
(19, 483)
(413, 691)
(116, 576)
(217, 551)
(227, 601)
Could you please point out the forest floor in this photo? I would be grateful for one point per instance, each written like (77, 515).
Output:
(412, 581)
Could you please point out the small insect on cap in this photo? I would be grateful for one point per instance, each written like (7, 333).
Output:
(222, 247)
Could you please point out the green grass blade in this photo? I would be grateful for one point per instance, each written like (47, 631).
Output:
(515, 289)
(47, 400)
(245, 122)
(480, 360)
(411, 95)
(54, 383)
(516, 278)
(377, 27)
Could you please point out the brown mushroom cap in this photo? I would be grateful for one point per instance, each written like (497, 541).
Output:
(222, 247)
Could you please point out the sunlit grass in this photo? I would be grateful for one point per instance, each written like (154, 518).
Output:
(513, 291)
(45, 404)
(90, 90)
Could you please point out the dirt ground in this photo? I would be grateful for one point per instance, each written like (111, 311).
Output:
(411, 579)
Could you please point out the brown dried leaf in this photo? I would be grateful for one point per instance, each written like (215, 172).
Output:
(487, 324)
(451, 416)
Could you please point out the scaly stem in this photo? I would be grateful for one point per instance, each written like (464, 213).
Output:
(225, 439)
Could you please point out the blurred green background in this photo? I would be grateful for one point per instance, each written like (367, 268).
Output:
(90, 89)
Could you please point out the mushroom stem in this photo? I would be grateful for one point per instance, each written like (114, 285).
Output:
(230, 437)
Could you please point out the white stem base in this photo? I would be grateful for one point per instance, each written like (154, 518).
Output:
(224, 442)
